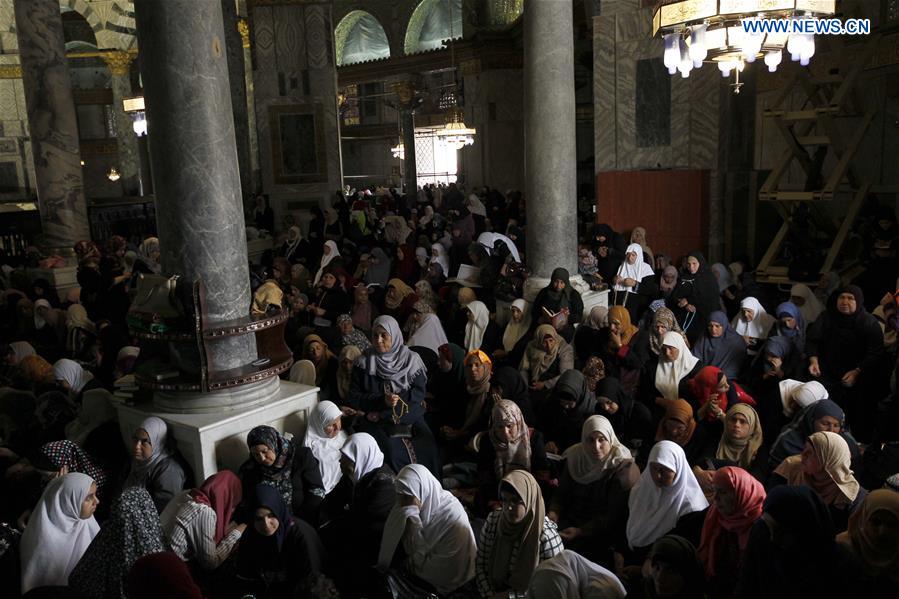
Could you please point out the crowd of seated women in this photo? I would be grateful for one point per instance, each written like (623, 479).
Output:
(701, 436)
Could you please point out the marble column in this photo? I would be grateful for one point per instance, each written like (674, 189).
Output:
(119, 64)
(53, 125)
(410, 173)
(237, 77)
(194, 160)
(549, 137)
(405, 93)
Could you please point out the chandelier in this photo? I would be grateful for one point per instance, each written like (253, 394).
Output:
(698, 31)
(399, 151)
(455, 133)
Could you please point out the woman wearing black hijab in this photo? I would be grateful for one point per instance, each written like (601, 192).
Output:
(553, 298)
(696, 296)
(276, 553)
(631, 420)
(563, 413)
(844, 347)
(506, 383)
(609, 248)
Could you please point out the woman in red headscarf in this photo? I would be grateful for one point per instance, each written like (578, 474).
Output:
(737, 505)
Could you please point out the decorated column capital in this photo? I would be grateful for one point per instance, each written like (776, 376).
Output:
(404, 90)
(244, 28)
(119, 62)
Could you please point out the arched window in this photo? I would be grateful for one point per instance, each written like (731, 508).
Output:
(360, 37)
(432, 22)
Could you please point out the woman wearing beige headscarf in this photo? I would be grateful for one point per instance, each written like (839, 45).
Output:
(638, 235)
(591, 502)
(345, 361)
(824, 466)
(515, 540)
(546, 357)
(80, 327)
(742, 436)
(873, 537)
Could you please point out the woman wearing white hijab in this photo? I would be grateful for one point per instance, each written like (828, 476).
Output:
(489, 239)
(71, 375)
(330, 252)
(152, 465)
(796, 395)
(441, 257)
(632, 270)
(363, 453)
(675, 364)
(434, 530)
(59, 531)
(325, 438)
(477, 325)
(428, 331)
(809, 304)
(569, 575)
(753, 324)
(21, 349)
(667, 490)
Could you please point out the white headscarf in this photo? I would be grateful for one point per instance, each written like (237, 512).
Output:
(40, 321)
(294, 237)
(801, 394)
(442, 258)
(325, 449)
(438, 539)
(654, 510)
(475, 206)
(812, 308)
(429, 333)
(635, 271)
(325, 261)
(760, 324)
(56, 536)
(158, 432)
(363, 451)
(71, 372)
(583, 466)
(516, 330)
(569, 575)
(669, 374)
(21, 349)
(474, 330)
(488, 240)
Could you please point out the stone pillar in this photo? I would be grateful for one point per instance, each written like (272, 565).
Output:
(52, 124)
(194, 163)
(244, 29)
(405, 94)
(129, 157)
(237, 77)
(549, 137)
(410, 174)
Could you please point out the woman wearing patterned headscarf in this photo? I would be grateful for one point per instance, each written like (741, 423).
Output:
(131, 532)
(292, 470)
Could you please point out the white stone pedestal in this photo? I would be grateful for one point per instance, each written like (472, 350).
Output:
(62, 279)
(213, 442)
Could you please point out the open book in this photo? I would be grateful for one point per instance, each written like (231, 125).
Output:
(468, 276)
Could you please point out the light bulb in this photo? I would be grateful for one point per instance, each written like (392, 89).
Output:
(698, 50)
(685, 65)
(794, 44)
(772, 59)
(725, 67)
(672, 52)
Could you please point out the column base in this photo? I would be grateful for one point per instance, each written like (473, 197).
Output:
(235, 398)
(217, 441)
(62, 279)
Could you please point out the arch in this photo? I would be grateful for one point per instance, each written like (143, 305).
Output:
(360, 37)
(77, 31)
(431, 22)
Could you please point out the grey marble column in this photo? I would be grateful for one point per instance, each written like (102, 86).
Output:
(549, 137)
(194, 159)
(238, 86)
(119, 64)
(52, 123)
(410, 173)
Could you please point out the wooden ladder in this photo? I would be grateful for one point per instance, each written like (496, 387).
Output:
(810, 130)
